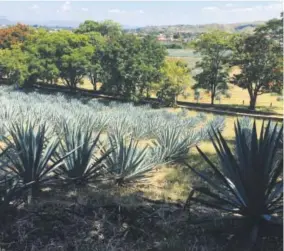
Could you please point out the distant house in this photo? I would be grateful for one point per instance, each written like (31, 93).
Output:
(162, 37)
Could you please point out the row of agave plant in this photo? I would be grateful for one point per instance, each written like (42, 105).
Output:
(68, 141)
(52, 137)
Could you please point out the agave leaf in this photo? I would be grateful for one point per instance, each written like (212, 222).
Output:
(252, 175)
(127, 162)
(83, 164)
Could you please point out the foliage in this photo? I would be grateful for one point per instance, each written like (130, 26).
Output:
(30, 152)
(9, 187)
(14, 35)
(214, 49)
(131, 76)
(128, 162)
(175, 78)
(43, 57)
(13, 66)
(105, 28)
(260, 62)
(273, 29)
(60, 54)
(171, 145)
(248, 183)
(95, 70)
(85, 164)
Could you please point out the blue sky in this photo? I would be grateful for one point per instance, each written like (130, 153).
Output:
(141, 13)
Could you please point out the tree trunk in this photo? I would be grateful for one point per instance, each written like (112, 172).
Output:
(148, 92)
(212, 98)
(252, 102)
(175, 101)
(94, 82)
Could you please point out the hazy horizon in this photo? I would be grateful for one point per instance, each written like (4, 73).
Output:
(138, 14)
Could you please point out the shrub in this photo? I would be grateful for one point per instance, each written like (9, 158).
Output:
(173, 143)
(127, 162)
(30, 152)
(248, 185)
(85, 164)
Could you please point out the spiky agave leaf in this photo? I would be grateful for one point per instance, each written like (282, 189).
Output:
(216, 123)
(8, 186)
(127, 162)
(173, 143)
(248, 183)
(30, 152)
(85, 164)
(119, 128)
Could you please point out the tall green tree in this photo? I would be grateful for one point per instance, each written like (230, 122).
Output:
(261, 62)
(13, 65)
(95, 70)
(273, 29)
(175, 79)
(60, 55)
(131, 64)
(105, 28)
(43, 57)
(214, 48)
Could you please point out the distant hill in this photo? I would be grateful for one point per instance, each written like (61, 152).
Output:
(166, 29)
(5, 21)
(183, 28)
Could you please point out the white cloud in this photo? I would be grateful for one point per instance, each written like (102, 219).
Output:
(116, 11)
(231, 8)
(85, 9)
(34, 7)
(210, 8)
(241, 10)
(65, 7)
(238, 13)
(119, 11)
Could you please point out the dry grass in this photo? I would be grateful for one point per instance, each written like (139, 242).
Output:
(172, 183)
(239, 97)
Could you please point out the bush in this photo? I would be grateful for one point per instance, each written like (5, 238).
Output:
(248, 183)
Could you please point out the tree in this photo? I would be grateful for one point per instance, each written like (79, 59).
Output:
(95, 70)
(74, 54)
(273, 29)
(13, 65)
(14, 35)
(214, 50)
(105, 28)
(175, 79)
(41, 48)
(260, 62)
(131, 76)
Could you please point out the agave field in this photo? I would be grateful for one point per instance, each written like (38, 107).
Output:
(56, 142)
(127, 140)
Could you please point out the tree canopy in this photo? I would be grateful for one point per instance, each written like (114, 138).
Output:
(214, 48)
(131, 75)
(175, 79)
(105, 28)
(136, 66)
(260, 65)
(14, 35)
